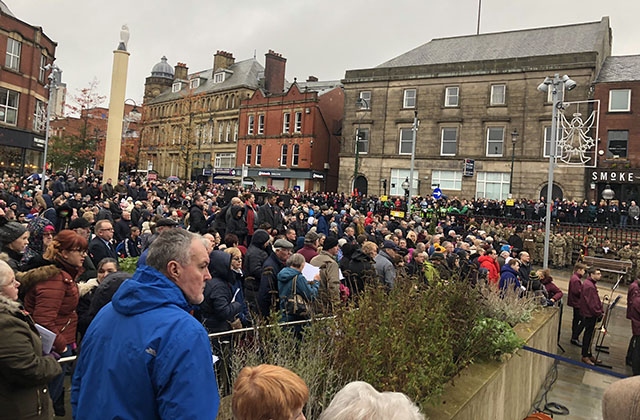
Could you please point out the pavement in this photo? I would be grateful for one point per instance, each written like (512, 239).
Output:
(577, 387)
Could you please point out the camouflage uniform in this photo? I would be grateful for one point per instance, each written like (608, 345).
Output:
(590, 245)
(558, 245)
(528, 241)
(626, 253)
(539, 244)
(570, 245)
(635, 255)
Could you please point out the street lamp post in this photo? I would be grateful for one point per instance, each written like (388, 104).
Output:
(608, 194)
(557, 84)
(362, 104)
(406, 186)
(514, 140)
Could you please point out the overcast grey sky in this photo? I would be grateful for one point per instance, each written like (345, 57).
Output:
(320, 38)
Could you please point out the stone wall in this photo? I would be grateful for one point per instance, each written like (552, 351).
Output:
(502, 391)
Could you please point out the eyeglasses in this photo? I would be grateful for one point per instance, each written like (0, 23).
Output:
(107, 229)
(81, 251)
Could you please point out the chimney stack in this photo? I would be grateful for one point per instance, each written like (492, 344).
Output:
(274, 69)
(181, 71)
(312, 79)
(222, 60)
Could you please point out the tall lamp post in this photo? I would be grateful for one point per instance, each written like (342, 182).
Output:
(361, 104)
(608, 194)
(557, 85)
(514, 140)
(405, 186)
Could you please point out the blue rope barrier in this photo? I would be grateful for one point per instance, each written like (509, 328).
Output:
(576, 363)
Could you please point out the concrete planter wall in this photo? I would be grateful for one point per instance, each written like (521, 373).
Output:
(502, 391)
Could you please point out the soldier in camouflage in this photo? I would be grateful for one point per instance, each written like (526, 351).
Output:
(626, 253)
(539, 244)
(558, 253)
(570, 241)
(528, 241)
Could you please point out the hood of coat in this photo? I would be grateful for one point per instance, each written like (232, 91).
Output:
(87, 286)
(237, 212)
(148, 289)
(259, 238)
(9, 306)
(30, 278)
(287, 274)
(508, 269)
(220, 266)
(484, 258)
(546, 279)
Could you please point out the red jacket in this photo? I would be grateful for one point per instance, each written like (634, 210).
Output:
(553, 291)
(52, 298)
(575, 289)
(633, 313)
(492, 265)
(590, 304)
(634, 289)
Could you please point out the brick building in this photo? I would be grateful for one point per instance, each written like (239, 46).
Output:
(23, 97)
(190, 120)
(618, 89)
(470, 94)
(289, 138)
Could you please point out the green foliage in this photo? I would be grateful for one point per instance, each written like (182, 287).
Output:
(128, 264)
(507, 306)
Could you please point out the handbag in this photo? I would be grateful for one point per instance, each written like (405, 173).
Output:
(296, 305)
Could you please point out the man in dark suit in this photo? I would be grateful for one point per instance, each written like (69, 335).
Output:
(269, 213)
(101, 247)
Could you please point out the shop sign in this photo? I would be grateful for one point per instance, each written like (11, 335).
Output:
(606, 175)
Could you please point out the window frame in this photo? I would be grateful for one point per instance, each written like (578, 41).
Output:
(260, 124)
(364, 106)
(176, 87)
(247, 154)
(13, 58)
(258, 155)
(295, 155)
(627, 108)
(494, 87)
(250, 124)
(286, 122)
(407, 98)
(229, 157)
(489, 141)
(297, 124)
(284, 152)
(442, 141)
(42, 70)
(448, 180)
(401, 141)
(448, 97)
(609, 140)
(364, 144)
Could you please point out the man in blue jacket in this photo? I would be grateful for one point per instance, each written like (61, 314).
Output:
(144, 356)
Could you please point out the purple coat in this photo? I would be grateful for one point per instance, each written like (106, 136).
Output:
(575, 289)
(590, 304)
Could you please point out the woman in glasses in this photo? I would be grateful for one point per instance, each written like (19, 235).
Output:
(51, 296)
(23, 369)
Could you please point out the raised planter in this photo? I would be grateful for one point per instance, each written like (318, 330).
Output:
(502, 391)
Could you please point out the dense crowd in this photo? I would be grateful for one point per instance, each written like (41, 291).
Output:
(289, 252)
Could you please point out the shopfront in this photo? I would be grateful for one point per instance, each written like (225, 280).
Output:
(625, 183)
(20, 152)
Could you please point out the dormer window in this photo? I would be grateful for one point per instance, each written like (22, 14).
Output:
(219, 77)
(194, 83)
(176, 87)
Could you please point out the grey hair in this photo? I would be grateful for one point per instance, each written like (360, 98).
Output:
(359, 400)
(295, 260)
(171, 245)
(5, 272)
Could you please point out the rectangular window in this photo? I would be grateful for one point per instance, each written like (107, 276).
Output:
(617, 141)
(409, 100)
(398, 176)
(548, 140)
(261, 124)
(258, 155)
(225, 160)
(218, 77)
(40, 116)
(448, 180)
(14, 49)
(235, 131)
(406, 141)
(620, 100)
(295, 155)
(364, 100)
(286, 122)
(298, 123)
(250, 123)
(42, 71)
(449, 139)
(451, 97)
(227, 136)
(498, 94)
(194, 83)
(284, 150)
(362, 140)
(495, 141)
(176, 87)
(492, 185)
(220, 131)
(247, 155)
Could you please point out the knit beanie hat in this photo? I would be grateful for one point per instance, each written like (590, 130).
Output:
(10, 231)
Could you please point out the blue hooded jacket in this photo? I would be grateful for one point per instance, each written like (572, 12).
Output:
(145, 357)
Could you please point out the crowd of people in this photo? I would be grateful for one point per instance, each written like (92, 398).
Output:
(225, 258)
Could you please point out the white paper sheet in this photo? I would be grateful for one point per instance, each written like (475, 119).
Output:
(309, 271)
(47, 337)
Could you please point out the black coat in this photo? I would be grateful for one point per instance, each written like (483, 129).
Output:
(217, 309)
(99, 250)
(197, 221)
